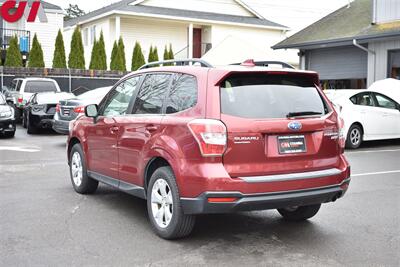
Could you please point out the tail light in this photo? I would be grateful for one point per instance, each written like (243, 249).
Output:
(342, 137)
(210, 135)
(58, 108)
(79, 109)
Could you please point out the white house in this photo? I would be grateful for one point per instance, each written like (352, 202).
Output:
(219, 31)
(46, 31)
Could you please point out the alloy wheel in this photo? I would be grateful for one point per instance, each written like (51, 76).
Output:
(161, 203)
(77, 169)
(355, 137)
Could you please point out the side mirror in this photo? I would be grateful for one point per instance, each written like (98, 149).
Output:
(92, 111)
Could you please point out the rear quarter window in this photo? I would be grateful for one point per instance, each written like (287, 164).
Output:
(183, 94)
(269, 96)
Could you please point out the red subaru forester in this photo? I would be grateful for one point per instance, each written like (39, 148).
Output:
(201, 139)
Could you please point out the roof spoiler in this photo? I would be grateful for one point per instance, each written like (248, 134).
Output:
(252, 63)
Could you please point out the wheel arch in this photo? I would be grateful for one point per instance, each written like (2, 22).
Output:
(73, 141)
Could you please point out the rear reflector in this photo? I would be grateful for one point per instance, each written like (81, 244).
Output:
(222, 199)
(210, 135)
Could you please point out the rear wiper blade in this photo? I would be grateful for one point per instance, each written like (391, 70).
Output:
(302, 113)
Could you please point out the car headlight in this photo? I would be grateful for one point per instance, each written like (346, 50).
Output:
(7, 114)
(38, 108)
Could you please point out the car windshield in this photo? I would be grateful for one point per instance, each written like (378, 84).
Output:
(260, 97)
(40, 86)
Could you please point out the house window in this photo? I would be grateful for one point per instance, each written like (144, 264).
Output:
(92, 34)
(85, 36)
(394, 64)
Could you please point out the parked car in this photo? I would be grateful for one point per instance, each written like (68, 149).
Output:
(195, 140)
(22, 89)
(368, 114)
(7, 120)
(40, 110)
(68, 110)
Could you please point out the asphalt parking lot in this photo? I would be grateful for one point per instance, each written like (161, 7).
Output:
(43, 222)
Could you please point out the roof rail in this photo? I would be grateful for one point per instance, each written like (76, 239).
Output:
(178, 62)
(267, 63)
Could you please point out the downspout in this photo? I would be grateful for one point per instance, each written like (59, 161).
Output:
(369, 51)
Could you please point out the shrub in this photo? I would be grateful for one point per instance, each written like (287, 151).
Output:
(94, 56)
(171, 53)
(101, 52)
(76, 59)
(59, 59)
(13, 55)
(36, 54)
(121, 54)
(114, 54)
(137, 57)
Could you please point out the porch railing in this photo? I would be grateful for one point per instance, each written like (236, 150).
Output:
(183, 53)
(24, 39)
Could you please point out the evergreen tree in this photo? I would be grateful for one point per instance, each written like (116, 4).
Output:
(13, 56)
(171, 53)
(155, 54)
(36, 54)
(59, 59)
(137, 57)
(102, 56)
(150, 57)
(76, 58)
(114, 54)
(121, 55)
(94, 59)
(166, 56)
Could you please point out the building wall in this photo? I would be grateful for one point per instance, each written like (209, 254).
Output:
(151, 32)
(378, 63)
(233, 44)
(230, 7)
(386, 10)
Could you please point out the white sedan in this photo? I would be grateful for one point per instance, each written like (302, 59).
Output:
(368, 114)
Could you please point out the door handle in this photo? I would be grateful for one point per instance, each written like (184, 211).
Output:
(151, 128)
(114, 129)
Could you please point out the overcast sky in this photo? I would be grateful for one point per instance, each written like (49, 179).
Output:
(300, 13)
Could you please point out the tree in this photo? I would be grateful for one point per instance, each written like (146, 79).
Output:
(114, 55)
(73, 11)
(150, 57)
(94, 56)
(59, 59)
(76, 58)
(171, 53)
(137, 57)
(13, 56)
(155, 54)
(121, 54)
(102, 56)
(36, 54)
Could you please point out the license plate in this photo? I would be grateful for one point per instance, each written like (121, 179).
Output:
(292, 144)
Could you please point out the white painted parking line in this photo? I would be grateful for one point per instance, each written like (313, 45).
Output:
(375, 173)
(373, 151)
(20, 149)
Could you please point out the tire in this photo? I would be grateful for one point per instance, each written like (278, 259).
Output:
(354, 137)
(24, 121)
(31, 129)
(179, 225)
(300, 213)
(80, 180)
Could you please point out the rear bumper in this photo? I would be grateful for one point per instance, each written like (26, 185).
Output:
(7, 125)
(60, 126)
(249, 202)
(42, 121)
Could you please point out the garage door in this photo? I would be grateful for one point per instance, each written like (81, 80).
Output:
(338, 63)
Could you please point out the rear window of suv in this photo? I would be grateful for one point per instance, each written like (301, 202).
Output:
(269, 96)
(40, 86)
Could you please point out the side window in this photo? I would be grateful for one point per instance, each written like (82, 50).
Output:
(152, 94)
(183, 94)
(363, 99)
(119, 98)
(385, 102)
(18, 87)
